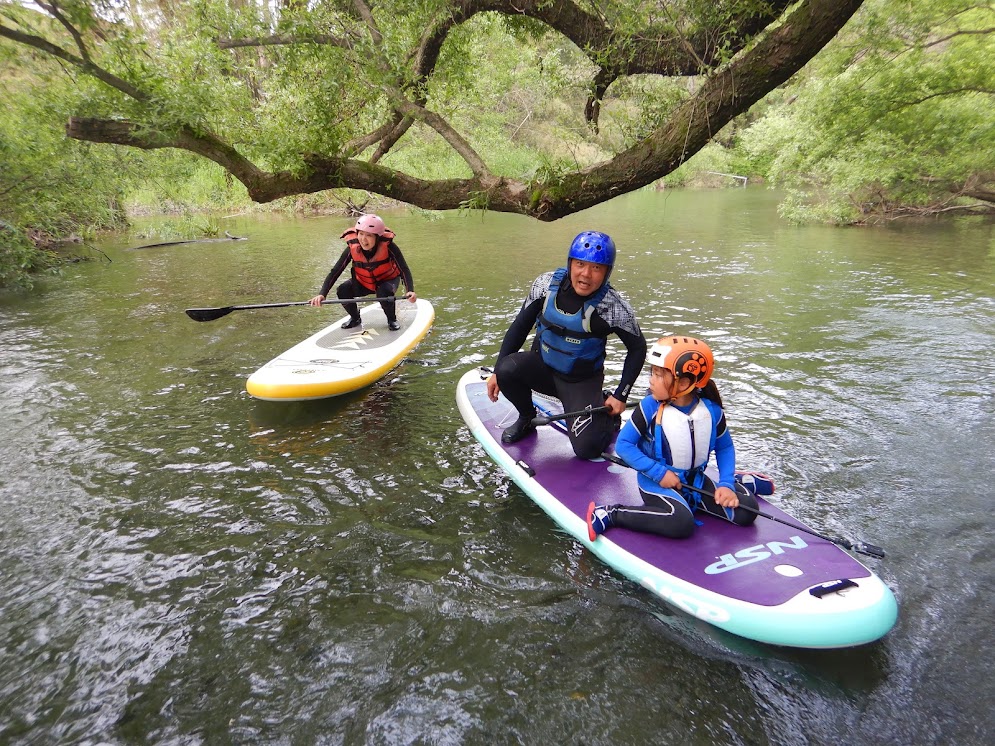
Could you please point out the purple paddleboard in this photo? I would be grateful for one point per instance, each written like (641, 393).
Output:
(769, 582)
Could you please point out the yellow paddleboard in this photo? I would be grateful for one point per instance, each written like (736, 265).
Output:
(336, 361)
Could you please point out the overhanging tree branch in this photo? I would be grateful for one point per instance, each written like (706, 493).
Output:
(761, 63)
(968, 32)
(732, 90)
(84, 64)
(456, 141)
(123, 132)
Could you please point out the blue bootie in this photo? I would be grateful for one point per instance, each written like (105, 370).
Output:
(756, 482)
(599, 520)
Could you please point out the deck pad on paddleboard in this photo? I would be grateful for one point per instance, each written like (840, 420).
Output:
(373, 333)
(335, 361)
(768, 582)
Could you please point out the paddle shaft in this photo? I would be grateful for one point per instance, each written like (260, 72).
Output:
(210, 314)
(546, 419)
(859, 546)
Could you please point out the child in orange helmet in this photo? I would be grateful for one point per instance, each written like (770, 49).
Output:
(669, 441)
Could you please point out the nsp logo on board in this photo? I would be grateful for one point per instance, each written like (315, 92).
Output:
(757, 553)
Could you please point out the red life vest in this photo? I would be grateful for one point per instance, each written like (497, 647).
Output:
(381, 266)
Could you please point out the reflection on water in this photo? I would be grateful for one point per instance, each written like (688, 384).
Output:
(182, 563)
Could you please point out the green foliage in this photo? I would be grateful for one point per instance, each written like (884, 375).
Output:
(637, 106)
(895, 112)
(20, 259)
(51, 188)
(712, 166)
(476, 201)
(526, 31)
(190, 226)
(178, 182)
(510, 101)
(895, 117)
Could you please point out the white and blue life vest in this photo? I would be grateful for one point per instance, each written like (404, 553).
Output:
(685, 439)
(565, 339)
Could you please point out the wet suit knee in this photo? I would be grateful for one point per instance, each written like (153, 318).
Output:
(345, 291)
(592, 442)
(740, 516)
(387, 289)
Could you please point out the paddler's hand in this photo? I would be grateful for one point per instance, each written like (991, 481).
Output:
(615, 406)
(492, 388)
(670, 480)
(410, 295)
(316, 300)
(726, 498)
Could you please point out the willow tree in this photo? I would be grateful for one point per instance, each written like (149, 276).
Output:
(299, 97)
(896, 118)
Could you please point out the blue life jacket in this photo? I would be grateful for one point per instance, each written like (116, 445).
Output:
(565, 339)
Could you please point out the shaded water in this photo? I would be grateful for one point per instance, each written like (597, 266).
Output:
(180, 563)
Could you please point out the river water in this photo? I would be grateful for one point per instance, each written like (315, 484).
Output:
(180, 563)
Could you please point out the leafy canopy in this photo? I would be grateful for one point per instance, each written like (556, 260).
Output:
(896, 117)
(298, 97)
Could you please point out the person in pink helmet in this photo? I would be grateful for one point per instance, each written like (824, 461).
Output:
(378, 266)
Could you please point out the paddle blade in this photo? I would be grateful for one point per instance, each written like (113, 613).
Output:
(208, 314)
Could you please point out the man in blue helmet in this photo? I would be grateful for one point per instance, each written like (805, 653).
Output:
(574, 309)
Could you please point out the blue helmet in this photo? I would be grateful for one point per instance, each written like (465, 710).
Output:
(593, 246)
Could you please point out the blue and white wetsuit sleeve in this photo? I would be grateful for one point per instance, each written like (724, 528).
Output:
(627, 447)
(725, 456)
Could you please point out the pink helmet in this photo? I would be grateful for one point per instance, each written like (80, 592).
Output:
(371, 224)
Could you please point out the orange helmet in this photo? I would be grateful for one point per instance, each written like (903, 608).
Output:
(685, 357)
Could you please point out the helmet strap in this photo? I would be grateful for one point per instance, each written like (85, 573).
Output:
(674, 393)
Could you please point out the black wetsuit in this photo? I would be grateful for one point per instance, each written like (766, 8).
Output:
(521, 373)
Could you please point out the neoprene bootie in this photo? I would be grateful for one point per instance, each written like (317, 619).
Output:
(522, 427)
(599, 520)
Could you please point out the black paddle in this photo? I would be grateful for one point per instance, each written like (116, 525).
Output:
(545, 420)
(210, 314)
(861, 546)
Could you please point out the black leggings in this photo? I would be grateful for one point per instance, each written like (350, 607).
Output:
(521, 373)
(352, 289)
(671, 516)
